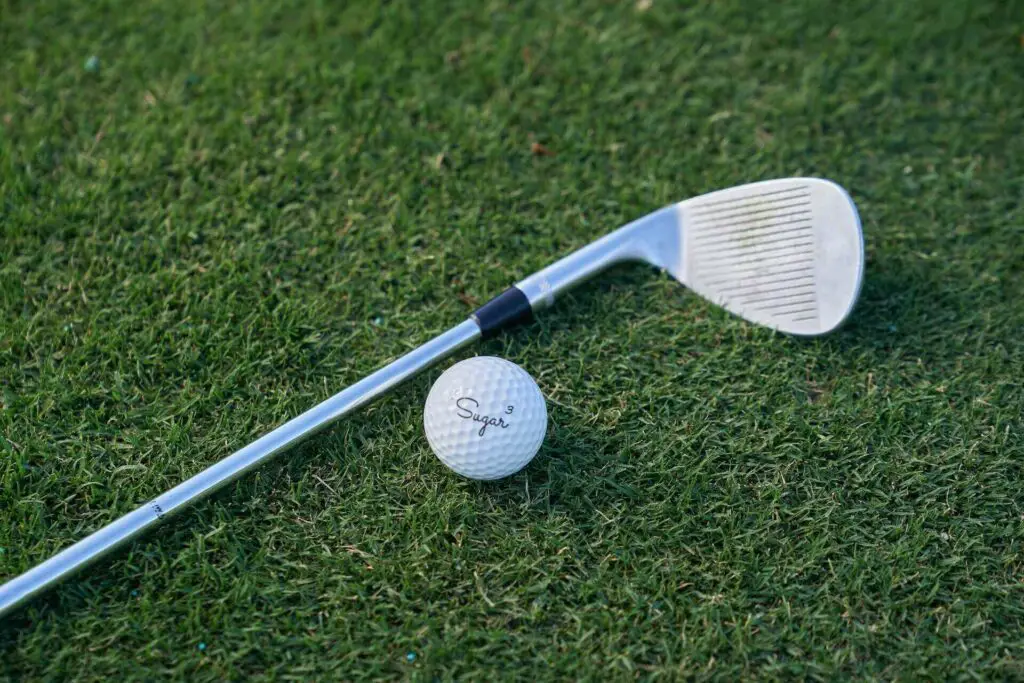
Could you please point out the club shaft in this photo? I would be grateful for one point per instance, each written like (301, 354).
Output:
(533, 293)
(132, 525)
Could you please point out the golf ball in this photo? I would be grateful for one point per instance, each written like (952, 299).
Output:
(485, 418)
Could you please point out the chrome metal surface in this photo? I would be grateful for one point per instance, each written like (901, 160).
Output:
(787, 254)
(130, 526)
(655, 238)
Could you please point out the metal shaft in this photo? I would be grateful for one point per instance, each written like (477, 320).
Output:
(131, 526)
(653, 238)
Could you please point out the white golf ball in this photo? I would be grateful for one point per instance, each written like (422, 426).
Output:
(485, 418)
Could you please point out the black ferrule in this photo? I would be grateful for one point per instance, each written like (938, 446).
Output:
(509, 308)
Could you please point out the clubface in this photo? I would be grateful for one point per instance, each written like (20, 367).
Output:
(787, 254)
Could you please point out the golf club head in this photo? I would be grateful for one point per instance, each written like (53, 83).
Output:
(787, 253)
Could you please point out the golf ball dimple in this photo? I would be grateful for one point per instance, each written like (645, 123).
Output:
(485, 418)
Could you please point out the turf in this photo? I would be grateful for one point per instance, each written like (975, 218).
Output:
(236, 210)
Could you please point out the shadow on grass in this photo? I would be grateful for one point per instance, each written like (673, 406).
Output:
(920, 313)
(918, 310)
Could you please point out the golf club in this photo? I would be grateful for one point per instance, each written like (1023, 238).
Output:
(787, 254)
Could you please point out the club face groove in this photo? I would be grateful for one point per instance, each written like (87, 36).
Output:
(784, 253)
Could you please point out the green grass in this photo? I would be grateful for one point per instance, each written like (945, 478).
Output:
(242, 211)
